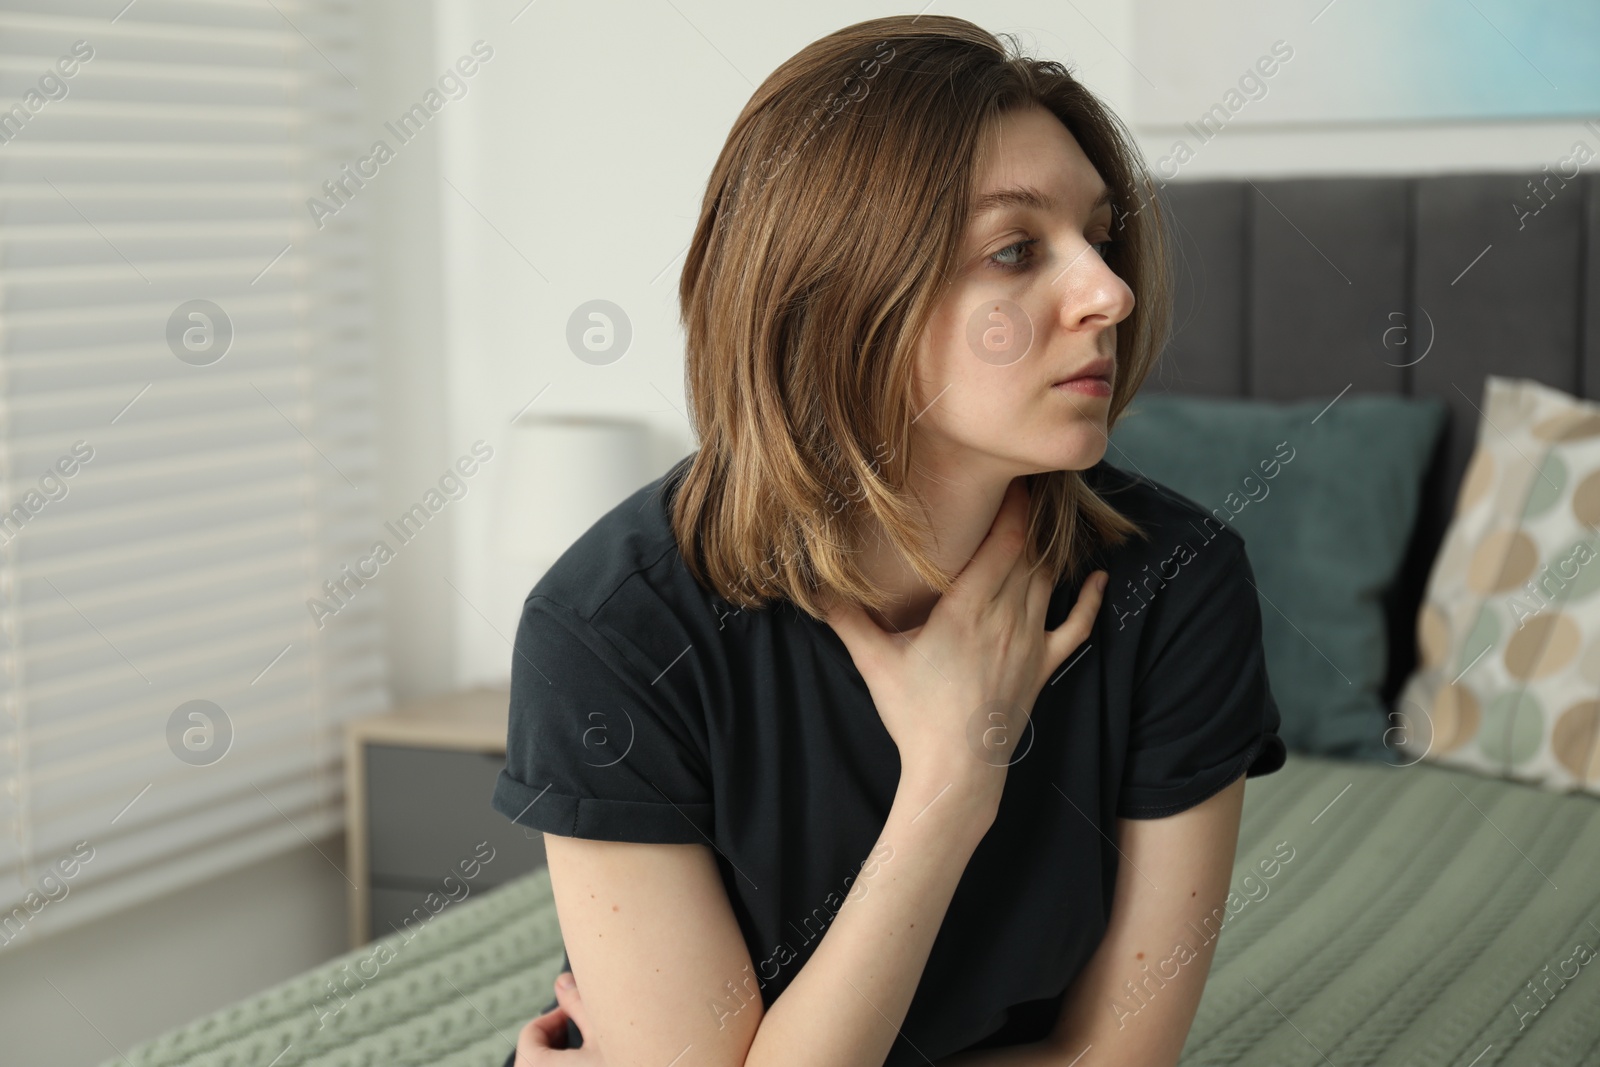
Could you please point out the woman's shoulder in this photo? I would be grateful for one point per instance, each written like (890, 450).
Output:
(626, 562)
(1184, 538)
(1167, 515)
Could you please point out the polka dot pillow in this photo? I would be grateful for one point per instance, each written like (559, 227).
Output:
(1508, 636)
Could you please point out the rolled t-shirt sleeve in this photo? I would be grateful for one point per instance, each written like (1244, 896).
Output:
(1203, 711)
(593, 748)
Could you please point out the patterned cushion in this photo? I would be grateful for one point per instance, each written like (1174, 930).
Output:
(1509, 631)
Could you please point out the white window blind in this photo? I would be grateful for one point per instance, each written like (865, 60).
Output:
(209, 498)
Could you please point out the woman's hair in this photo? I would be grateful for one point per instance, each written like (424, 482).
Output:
(830, 222)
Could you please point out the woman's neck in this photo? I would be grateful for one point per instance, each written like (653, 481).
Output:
(962, 506)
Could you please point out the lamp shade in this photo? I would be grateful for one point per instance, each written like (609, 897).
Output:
(562, 473)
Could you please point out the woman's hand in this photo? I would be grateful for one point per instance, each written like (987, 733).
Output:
(955, 693)
(543, 1042)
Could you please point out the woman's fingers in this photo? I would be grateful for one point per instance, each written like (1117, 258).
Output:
(982, 579)
(1040, 588)
(1012, 595)
(1075, 628)
(567, 999)
(547, 1031)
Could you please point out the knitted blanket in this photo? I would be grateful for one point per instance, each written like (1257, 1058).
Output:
(1408, 917)
(453, 995)
(1429, 917)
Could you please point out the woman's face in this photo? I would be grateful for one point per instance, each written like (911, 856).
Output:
(1031, 303)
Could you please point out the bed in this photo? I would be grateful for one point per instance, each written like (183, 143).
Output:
(1416, 904)
(1424, 915)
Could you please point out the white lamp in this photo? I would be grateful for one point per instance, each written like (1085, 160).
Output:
(562, 473)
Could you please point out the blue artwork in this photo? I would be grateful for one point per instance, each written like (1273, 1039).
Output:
(1368, 60)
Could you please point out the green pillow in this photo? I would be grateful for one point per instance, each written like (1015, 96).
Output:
(1325, 501)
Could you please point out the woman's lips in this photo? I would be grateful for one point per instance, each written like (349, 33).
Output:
(1087, 386)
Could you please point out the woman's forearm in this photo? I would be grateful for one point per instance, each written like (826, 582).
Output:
(845, 1006)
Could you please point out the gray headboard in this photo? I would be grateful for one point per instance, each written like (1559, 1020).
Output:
(1294, 289)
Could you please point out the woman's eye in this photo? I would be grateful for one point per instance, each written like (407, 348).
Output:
(999, 260)
(1010, 257)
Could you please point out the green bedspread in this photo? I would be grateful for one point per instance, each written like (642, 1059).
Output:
(1419, 904)
(1381, 915)
(454, 995)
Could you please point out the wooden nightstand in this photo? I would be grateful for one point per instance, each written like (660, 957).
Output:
(417, 789)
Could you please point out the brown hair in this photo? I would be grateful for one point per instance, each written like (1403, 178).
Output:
(829, 224)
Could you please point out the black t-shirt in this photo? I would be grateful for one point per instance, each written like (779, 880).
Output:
(646, 708)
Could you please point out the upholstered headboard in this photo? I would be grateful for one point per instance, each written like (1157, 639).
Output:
(1295, 289)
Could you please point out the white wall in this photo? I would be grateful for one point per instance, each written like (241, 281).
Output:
(409, 330)
(1391, 148)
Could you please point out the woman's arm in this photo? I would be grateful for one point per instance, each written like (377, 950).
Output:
(661, 964)
(1134, 1001)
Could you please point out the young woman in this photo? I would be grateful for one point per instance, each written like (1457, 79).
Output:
(844, 749)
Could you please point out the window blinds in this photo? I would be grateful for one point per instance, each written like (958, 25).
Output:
(187, 437)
